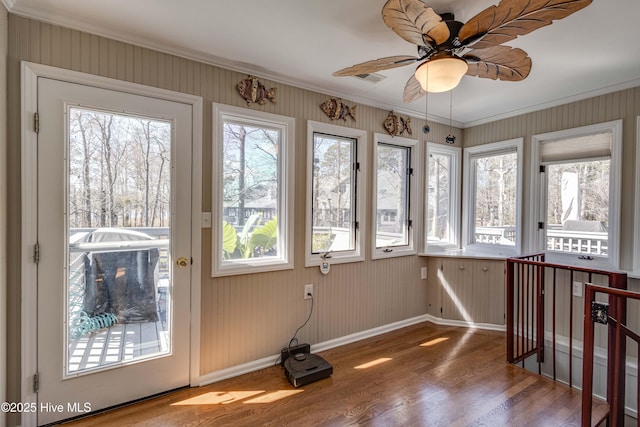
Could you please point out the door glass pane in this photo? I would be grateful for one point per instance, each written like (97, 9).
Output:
(392, 196)
(118, 286)
(578, 207)
(333, 185)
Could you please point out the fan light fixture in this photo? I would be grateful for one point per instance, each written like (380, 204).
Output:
(441, 73)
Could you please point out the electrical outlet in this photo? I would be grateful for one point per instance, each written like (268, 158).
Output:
(423, 273)
(308, 290)
(577, 289)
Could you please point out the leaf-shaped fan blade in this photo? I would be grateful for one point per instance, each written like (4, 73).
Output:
(413, 90)
(512, 18)
(498, 62)
(415, 22)
(377, 65)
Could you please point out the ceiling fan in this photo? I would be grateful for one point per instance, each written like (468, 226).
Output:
(449, 49)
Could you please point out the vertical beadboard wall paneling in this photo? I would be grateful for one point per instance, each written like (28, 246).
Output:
(74, 50)
(23, 43)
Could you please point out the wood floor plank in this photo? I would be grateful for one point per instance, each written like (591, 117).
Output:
(424, 375)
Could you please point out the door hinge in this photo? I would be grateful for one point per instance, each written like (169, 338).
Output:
(410, 171)
(36, 122)
(543, 168)
(36, 382)
(356, 166)
(541, 225)
(36, 253)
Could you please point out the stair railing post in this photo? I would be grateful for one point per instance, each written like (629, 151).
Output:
(587, 357)
(509, 295)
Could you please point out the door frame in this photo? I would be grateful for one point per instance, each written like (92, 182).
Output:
(30, 73)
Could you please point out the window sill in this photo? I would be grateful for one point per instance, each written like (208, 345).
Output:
(635, 274)
(465, 253)
(597, 263)
(250, 268)
(394, 253)
(316, 260)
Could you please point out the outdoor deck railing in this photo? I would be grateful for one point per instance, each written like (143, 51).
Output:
(558, 240)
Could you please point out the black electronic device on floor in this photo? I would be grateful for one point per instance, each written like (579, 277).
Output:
(300, 366)
(304, 368)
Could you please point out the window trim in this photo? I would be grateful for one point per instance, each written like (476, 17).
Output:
(360, 136)
(537, 236)
(414, 153)
(636, 245)
(469, 199)
(286, 186)
(455, 177)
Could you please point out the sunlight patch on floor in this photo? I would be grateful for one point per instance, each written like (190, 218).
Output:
(434, 342)
(273, 396)
(218, 397)
(373, 363)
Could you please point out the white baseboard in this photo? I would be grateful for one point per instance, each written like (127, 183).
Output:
(464, 324)
(348, 339)
(237, 370)
(269, 361)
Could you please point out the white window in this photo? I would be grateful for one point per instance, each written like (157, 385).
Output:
(442, 198)
(577, 194)
(253, 184)
(492, 196)
(335, 193)
(394, 196)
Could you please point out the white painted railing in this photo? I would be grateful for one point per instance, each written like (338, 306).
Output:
(496, 235)
(585, 242)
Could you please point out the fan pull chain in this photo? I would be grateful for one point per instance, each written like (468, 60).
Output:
(450, 138)
(426, 128)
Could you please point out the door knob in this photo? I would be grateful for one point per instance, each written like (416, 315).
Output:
(183, 262)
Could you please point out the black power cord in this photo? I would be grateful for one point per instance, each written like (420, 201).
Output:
(304, 324)
(298, 330)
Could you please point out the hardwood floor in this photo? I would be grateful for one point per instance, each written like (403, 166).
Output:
(422, 375)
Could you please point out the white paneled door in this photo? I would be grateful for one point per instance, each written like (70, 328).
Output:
(114, 247)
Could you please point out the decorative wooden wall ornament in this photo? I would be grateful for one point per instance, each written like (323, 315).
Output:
(253, 90)
(397, 125)
(335, 108)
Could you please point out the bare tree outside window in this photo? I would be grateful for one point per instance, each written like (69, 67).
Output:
(333, 185)
(392, 203)
(578, 206)
(118, 170)
(495, 199)
(250, 190)
(438, 194)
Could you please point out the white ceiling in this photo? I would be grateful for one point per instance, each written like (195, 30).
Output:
(301, 42)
